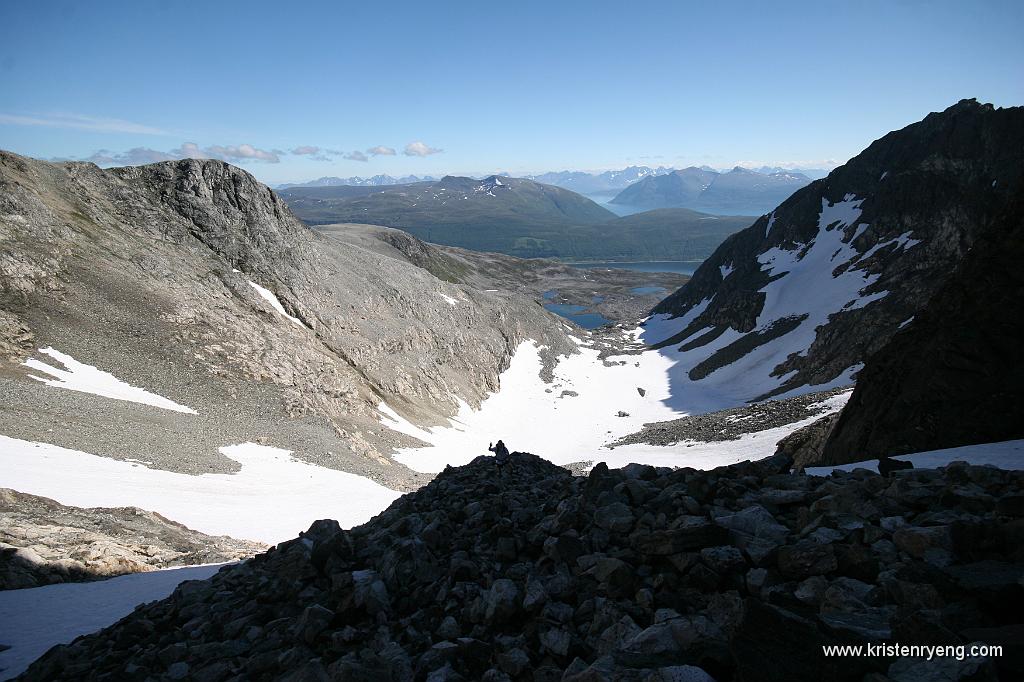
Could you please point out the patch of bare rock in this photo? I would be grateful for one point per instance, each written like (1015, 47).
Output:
(732, 423)
(44, 542)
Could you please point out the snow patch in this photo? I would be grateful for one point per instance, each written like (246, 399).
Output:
(529, 415)
(88, 379)
(1005, 455)
(726, 270)
(270, 298)
(271, 499)
(805, 268)
(449, 299)
(397, 422)
(33, 620)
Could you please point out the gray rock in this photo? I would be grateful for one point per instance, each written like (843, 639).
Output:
(806, 558)
(615, 517)
(916, 541)
(178, 671)
(501, 601)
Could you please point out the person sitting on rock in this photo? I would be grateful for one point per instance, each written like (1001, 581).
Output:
(500, 452)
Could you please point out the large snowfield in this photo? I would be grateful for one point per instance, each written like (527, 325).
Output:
(574, 417)
(273, 498)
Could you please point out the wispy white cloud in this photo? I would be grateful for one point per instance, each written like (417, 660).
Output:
(420, 149)
(321, 154)
(381, 150)
(79, 122)
(138, 156)
(241, 152)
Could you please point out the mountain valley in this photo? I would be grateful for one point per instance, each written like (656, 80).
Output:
(518, 217)
(186, 362)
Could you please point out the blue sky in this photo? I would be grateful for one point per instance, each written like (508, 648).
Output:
(476, 87)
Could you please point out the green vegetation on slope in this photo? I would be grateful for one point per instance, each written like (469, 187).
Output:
(519, 218)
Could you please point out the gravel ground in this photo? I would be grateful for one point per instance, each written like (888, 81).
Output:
(609, 292)
(732, 423)
(579, 468)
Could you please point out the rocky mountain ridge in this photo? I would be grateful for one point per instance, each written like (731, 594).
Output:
(952, 376)
(167, 276)
(821, 283)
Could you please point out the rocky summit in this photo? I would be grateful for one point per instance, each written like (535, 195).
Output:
(527, 572)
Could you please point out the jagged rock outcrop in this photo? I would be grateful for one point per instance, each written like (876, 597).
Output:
(44, 542)
(806, 445)
(812, 289)
(954, 375)
(529, 573)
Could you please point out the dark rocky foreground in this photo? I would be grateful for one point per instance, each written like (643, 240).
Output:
(530, 573)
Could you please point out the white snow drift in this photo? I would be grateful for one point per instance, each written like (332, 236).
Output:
(87, 379)
(547, 419)
(1008, 454)
(271, 499)
(572, 418)
(275, 303)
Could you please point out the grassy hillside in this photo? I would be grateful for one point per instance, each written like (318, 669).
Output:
(519, 218)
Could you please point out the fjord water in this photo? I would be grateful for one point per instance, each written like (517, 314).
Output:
(685, 267)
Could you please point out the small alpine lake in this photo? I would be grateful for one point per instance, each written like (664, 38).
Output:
(684, 267)
(577, 314)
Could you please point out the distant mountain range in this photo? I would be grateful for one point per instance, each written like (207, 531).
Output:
(812, 173)
(605, 183)
(518, 217)
(738, 191)
(357, 181)
(608, 182)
